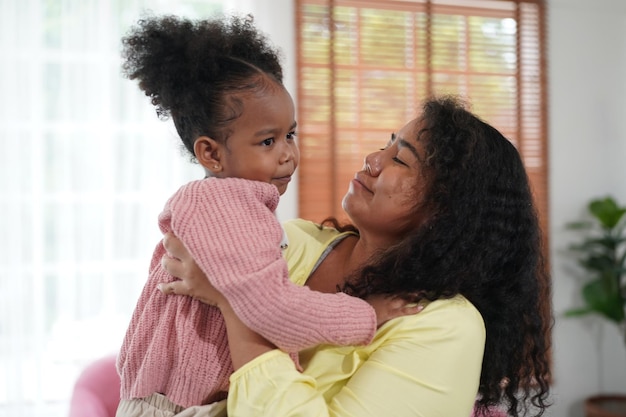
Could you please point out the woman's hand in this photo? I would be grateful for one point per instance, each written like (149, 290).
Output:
(179, 263)
(389, 307)
(244, 343)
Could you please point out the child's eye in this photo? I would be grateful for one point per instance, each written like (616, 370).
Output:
(268, 142)
(292, 135)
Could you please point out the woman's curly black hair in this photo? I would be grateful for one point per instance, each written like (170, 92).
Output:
(481, 238)
(195, 71)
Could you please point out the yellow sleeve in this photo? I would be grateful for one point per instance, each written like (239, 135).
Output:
(270, 385)
(426, 365)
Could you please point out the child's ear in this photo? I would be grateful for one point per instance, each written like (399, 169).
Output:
(208, 153)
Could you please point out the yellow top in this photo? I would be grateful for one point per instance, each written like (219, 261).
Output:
(424, 365)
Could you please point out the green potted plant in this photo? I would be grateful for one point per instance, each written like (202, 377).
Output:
(603, 255)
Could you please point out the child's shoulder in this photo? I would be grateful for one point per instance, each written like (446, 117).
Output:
(229, 183)
(233, 191)
(238, 188)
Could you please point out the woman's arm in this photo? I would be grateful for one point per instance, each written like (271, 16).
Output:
(425, 365)
(245, 344)
(413, 367)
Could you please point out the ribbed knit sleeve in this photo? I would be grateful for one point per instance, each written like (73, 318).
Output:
(229, 227)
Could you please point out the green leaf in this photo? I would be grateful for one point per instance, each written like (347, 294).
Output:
(581, 225)
(604, 299)
(576, 312)
(602, 253)
(599, 263)
(607, 212)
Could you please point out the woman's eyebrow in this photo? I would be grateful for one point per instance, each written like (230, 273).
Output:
(404, 144)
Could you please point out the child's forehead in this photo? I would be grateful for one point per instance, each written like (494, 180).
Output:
(265, 111)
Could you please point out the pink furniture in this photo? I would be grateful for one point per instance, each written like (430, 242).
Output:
(97, 390)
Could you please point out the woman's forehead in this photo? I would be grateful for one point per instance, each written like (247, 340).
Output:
(409, 131)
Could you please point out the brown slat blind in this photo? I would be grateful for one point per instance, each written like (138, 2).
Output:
(365, 66)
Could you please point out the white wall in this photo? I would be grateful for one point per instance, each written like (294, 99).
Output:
(587, 105)
(587, 88)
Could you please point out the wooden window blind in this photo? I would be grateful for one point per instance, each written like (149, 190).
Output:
(365, 66)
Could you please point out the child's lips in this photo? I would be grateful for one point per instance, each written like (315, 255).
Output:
(283, 180)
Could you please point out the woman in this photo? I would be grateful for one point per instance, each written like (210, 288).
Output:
(443, 216)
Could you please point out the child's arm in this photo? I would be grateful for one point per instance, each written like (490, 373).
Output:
(229, 227)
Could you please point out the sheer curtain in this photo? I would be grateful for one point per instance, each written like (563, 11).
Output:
(85, 167)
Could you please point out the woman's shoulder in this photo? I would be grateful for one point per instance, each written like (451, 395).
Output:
(300, 228)
(307, 234)
(449, 317)
(307, 241)
(455, 306)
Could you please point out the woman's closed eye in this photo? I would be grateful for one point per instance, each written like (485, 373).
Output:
(399, 161)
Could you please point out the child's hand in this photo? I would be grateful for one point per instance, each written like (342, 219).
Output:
(389, 307)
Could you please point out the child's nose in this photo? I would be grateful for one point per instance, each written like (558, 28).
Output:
(287, 153)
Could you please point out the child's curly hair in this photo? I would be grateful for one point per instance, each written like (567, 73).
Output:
(196, 71)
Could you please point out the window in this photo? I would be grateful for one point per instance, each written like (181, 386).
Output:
(364, 67)
(85, 167)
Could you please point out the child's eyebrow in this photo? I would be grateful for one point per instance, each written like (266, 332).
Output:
(271, 130)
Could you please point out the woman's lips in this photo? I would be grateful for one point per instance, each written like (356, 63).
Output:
(358, 181)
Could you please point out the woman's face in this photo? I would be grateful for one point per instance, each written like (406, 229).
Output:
(383, 196)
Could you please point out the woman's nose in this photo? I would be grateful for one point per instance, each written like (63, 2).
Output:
(372, 164)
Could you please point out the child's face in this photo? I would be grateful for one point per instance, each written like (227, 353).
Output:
(262, 145)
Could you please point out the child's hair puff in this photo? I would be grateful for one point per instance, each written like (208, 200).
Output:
(196, 71)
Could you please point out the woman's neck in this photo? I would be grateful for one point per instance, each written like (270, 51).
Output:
(341, 263)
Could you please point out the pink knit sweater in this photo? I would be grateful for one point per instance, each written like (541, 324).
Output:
(177, 346)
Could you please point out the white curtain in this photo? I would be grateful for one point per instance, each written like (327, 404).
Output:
(85, 168)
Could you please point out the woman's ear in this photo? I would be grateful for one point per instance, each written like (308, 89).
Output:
(208, 153)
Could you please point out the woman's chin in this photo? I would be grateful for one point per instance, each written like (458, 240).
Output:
(349, 208)
(345, 205)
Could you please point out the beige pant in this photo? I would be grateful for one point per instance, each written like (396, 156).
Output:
(157, 405)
